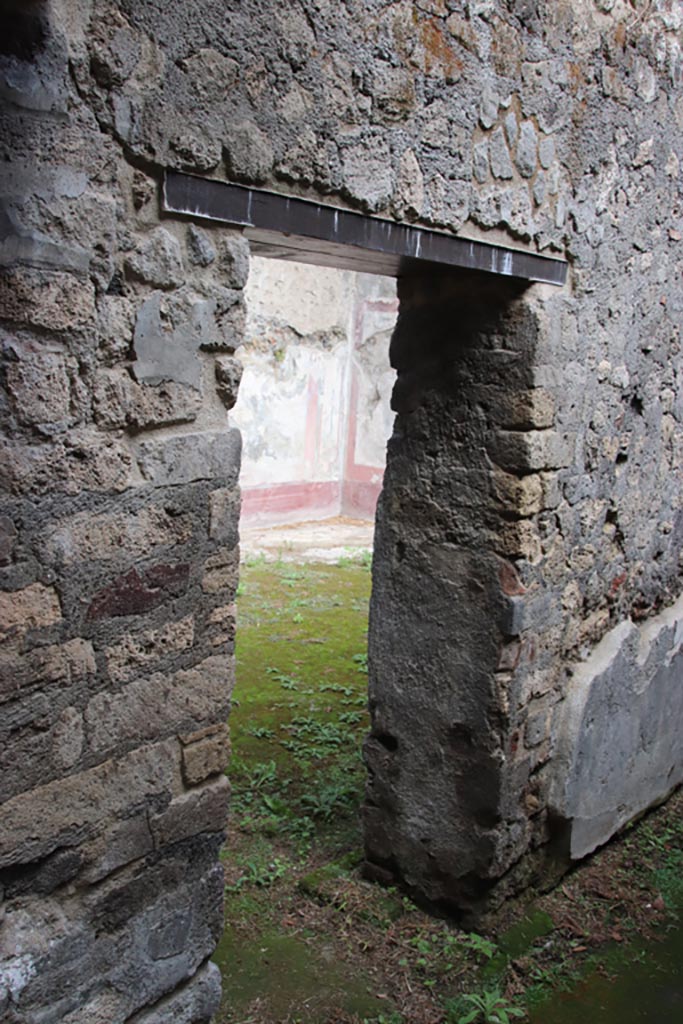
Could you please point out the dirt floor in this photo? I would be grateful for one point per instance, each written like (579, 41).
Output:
(324, 540)
(309, 940)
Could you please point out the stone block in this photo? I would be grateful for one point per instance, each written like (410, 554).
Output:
(67, 739)
(60, 664)
(115, 326)
(409, 191)
(366, 169)
(233, 260)
(68, 810)
(120, 402)
(168, 333)
(200, 250)
(527, 451)
(480, 164)
(499, 155)
(248, 153)
(546, 151)
(205, 753)
(221, 571)
(194, 1003)
(105, 1008)
(46, 875)
(34, 607)
(225, 617)
(526, 155)
(112, 536)
(137, 652)
(228, 376)
(511, 126)
(536, 728)
(8, 540)
(195, 149)
(187, 457)
(617, 733)
(524, 410)
(158, 706)
(157, 260)
(52, 300)
(38, 383)
(134, 593)
(224, 516)
(168, 937)
(520, 496)
(204, 809)
(82, 461)
(127, 841)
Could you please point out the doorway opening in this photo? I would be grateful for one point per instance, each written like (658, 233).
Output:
(314, 413)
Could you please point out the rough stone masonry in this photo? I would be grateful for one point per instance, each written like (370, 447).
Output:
(526, 680)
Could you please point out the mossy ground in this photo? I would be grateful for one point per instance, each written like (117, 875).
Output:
(309, 940)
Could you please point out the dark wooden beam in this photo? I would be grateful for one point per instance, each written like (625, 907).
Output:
(286, 227)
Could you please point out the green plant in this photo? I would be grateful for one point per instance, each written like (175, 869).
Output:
(260, 874)
(286, 682)
(323, 803)
(263, 774)
(479, 945)
(489, 1007)
(361, 661)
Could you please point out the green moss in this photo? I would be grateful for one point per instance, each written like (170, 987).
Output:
(523, 934)
(298, 979)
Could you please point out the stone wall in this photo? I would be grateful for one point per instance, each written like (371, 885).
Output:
(531, 525)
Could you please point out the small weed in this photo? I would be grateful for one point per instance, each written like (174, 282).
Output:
(260, 875)
(325, 802)
(260, 732)
(480, 946)
(361, 661)
(489, 1008)
(286, 682)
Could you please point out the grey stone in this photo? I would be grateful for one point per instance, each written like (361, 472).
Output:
(526, 156)
(168, 937)
(228, 377)
(158, 706)
(196, 150)
(157, 260)
(248, 153)
(540, 188)
(409, 186)
(618, 735)
(8, 539)
(481, 161)
(367, 173)
(164, 354)
(511, 129)
(501, 164)
(546, 151)
(488, 108)
(194, 1003)
(200, 250)
(130, 840)
(205, 456)
(225, 511)
(233, 260)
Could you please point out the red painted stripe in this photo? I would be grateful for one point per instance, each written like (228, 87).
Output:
(279, 503)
